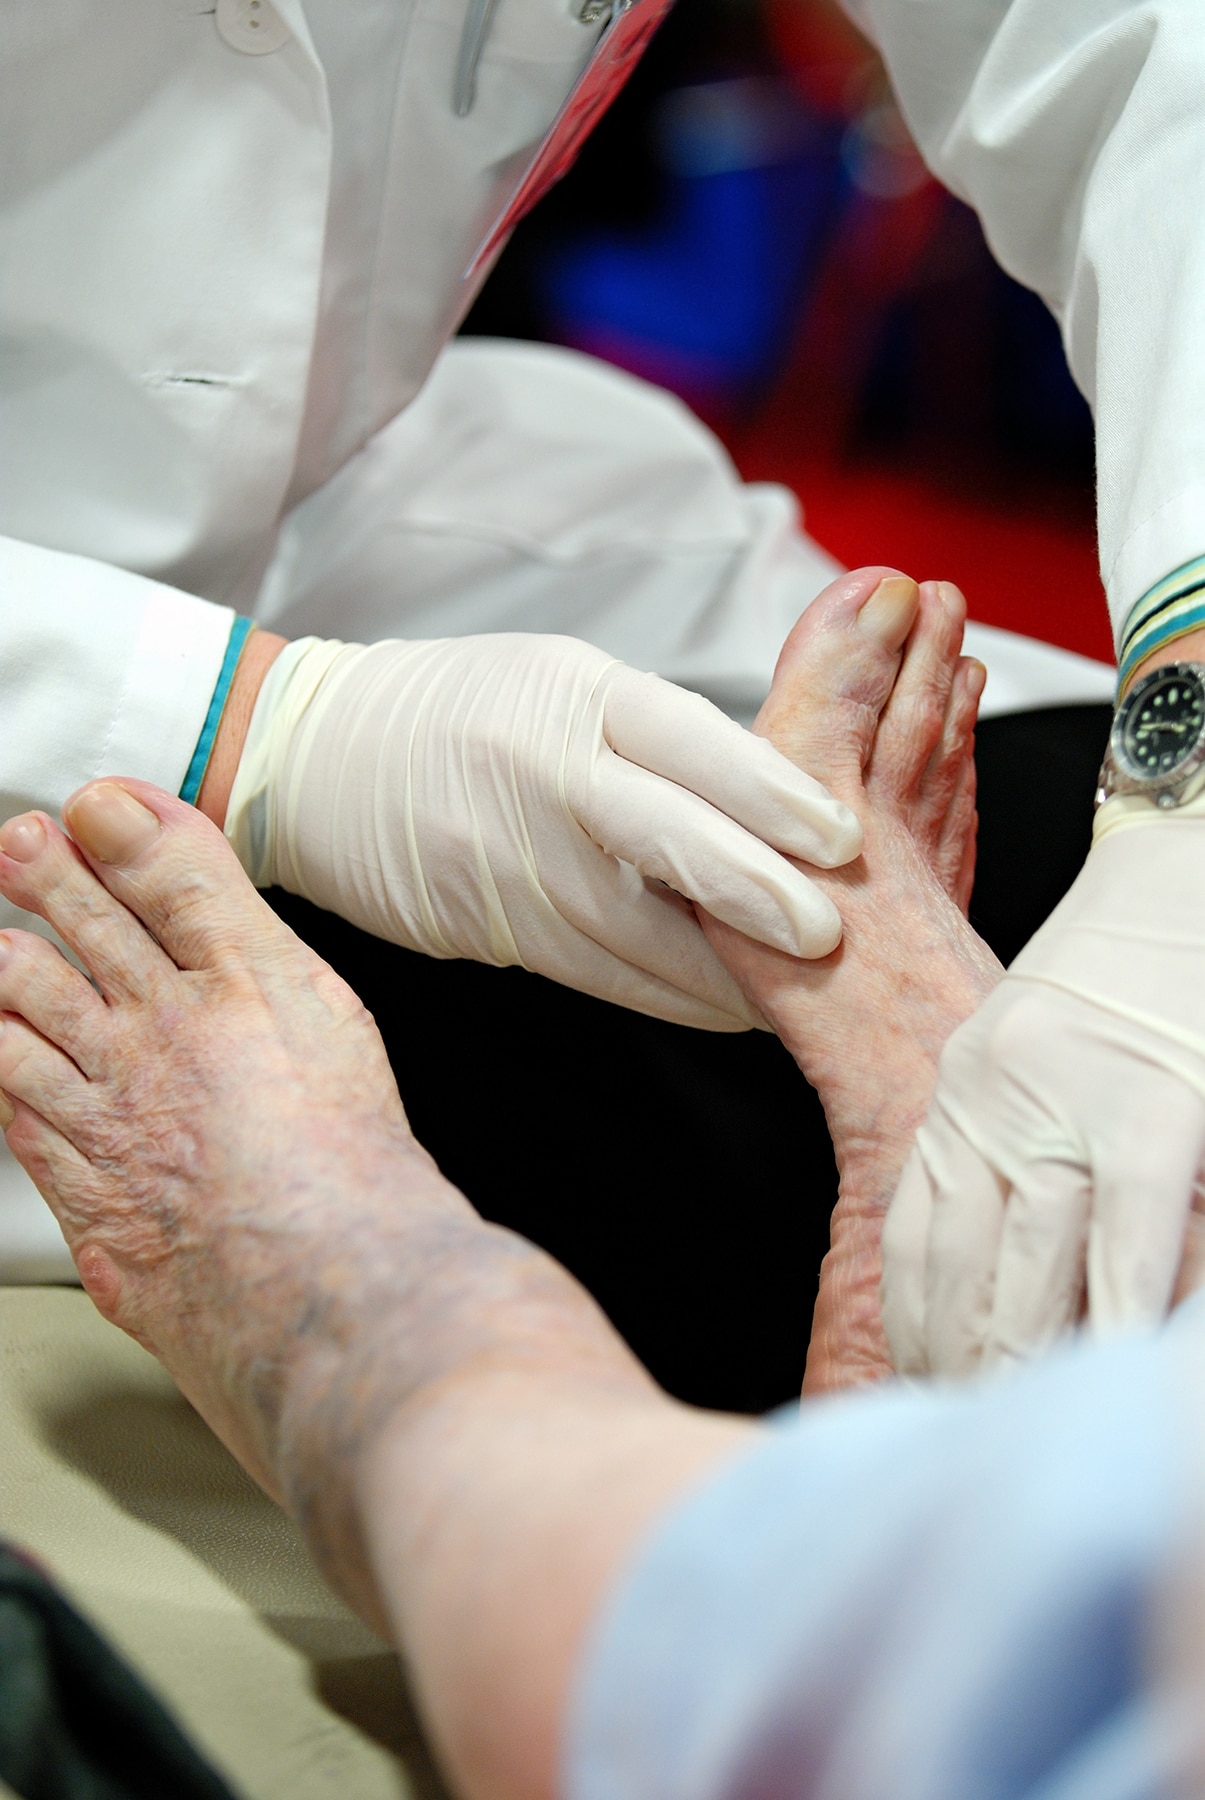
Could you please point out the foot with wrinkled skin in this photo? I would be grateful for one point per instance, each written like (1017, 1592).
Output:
(872, 697)
(444, 1411)
(218, 1092)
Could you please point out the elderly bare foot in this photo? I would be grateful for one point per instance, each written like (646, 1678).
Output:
(212, 1099)
(871, 696)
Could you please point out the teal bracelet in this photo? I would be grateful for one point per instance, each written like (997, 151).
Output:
(213, 718)
(1169, 610)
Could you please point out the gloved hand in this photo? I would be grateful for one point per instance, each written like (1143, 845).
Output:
(518, 799)
(1059, 1161)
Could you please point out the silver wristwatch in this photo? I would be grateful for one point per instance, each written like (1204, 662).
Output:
(1157, 745)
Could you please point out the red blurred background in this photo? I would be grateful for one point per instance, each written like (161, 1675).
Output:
(751, 227)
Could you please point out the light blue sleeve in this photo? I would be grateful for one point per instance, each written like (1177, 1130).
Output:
(907, 1595)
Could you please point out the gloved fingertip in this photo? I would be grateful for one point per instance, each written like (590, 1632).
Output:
(817, 928)
(802, 923)
(903, 1327)
(843, 837)
(827, 835)
(999, 1356)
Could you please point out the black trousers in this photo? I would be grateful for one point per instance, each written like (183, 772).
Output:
(686, 1177)
(75, 1722)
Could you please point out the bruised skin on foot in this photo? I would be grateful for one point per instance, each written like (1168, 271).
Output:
(872, 697)
(215, 1070)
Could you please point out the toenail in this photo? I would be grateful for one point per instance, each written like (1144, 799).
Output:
(889, 613)
(107, 822)
(8, 1112)
(6, 948)
(23, 839)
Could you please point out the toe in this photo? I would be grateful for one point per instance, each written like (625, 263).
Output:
(945, 800)
(962, 710)
(38, 983)
(914, 717)
(51, 1161)
(836, 672)
(42, 872)
(38, 1075)
(174, 871)
(954, 853)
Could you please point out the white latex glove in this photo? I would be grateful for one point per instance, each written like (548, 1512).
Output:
(1059, 1161)
(519, 799)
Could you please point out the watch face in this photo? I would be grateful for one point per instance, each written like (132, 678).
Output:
(1163, 723)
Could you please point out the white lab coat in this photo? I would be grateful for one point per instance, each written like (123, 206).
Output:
(1076, 128)
(225, 277)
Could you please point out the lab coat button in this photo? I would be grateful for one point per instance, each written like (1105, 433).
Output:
(252, 26)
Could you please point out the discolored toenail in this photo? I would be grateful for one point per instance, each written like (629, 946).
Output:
(6, 948)
(107, 822)
(889, 613)
(8, 1112)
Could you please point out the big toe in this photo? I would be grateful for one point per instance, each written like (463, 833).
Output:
(173, 869)
(836, 673)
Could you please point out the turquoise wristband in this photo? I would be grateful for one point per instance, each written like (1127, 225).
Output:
(213, 718)
(1169, 610)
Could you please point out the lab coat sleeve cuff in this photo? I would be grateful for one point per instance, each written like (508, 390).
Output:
(1169, 609)
(101, 673)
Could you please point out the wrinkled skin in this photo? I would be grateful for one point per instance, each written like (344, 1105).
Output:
(872, 696)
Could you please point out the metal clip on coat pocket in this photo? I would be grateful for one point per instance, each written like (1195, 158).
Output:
(628, 29)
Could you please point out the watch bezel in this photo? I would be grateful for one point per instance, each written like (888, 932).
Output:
(1119, 774)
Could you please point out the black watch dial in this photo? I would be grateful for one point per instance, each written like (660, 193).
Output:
(1163, 723)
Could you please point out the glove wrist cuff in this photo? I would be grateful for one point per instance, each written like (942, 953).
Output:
(287, 692)
(1124, 811)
